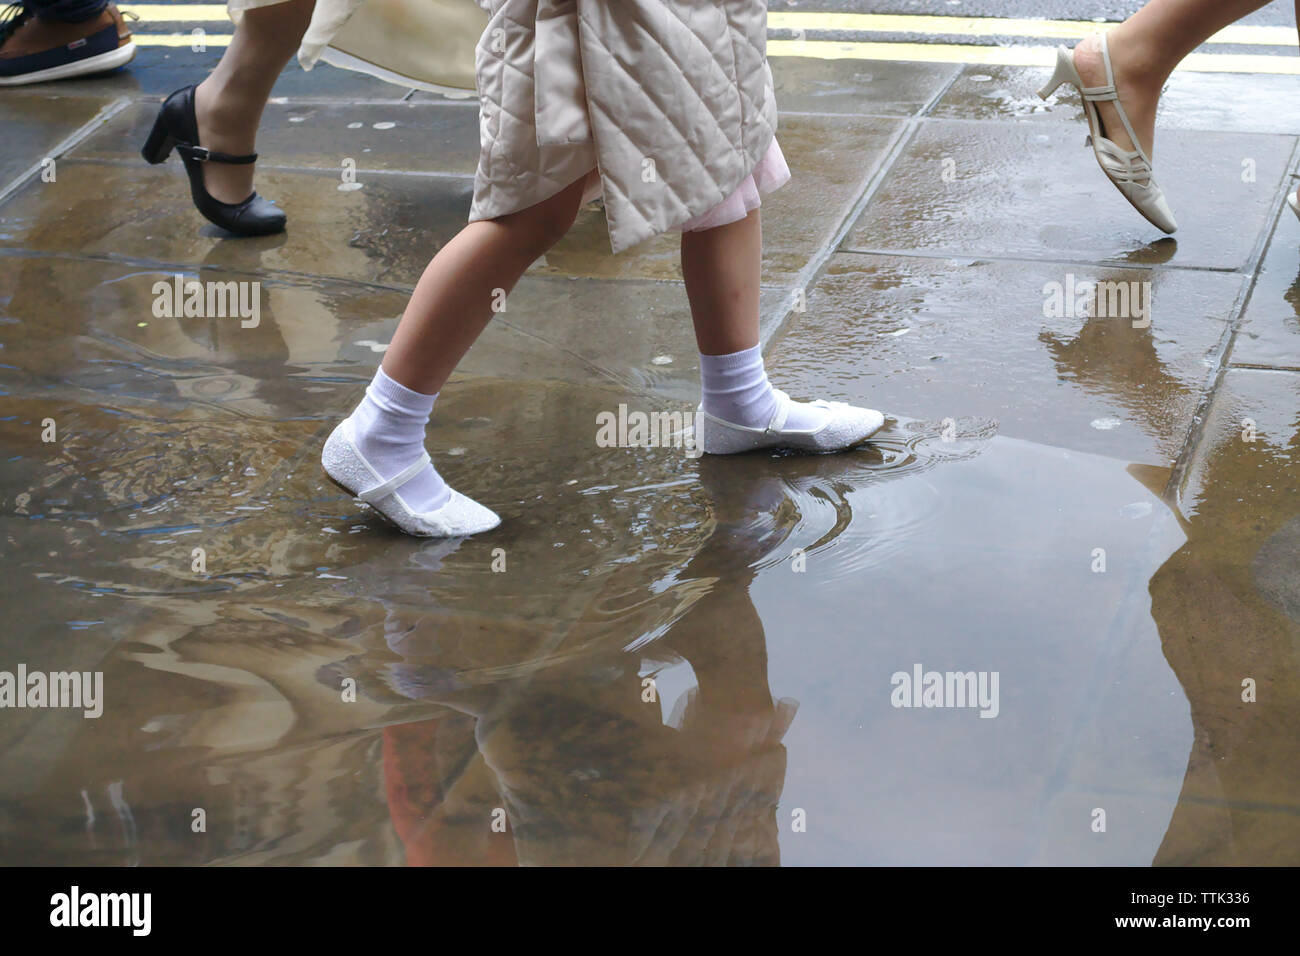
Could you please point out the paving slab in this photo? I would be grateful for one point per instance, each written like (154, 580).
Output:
(34, 125)
(1269, 336)
(867, 87)
(991, 92)
(1034, 191)
(420, 138)
(393, 224)
(154, 219)
(634, 334)
(101, 328)
(935, 339)
(831, 159)
(1241, 508)
(855, 87)
(1030, 438)
(847, 513)
(892, 784)
(385, 232)
(328, 82)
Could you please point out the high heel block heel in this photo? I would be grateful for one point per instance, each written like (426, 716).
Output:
(1129, 170)
(176, 127)
(159, 144)
(1064, 73)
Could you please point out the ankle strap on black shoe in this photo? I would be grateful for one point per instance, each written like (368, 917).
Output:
(204, 155)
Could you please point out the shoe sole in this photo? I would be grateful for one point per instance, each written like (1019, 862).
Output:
(387, 520)
(373, 510)
(353, 495)
(802, 449)
(91, 64)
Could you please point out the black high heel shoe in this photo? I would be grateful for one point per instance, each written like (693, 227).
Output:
(176, 127)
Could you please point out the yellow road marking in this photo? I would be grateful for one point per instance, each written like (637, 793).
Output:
(874, 50)
(998, 26)
(914, 52)
(856, 22)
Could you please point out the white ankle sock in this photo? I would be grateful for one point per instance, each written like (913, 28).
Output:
(388, 427)
(736, 390)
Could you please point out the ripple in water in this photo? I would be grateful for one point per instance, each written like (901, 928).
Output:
(660, 545)
(857, 512)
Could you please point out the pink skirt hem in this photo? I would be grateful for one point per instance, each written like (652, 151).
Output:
(769, 175)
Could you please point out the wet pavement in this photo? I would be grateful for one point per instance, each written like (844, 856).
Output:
(657, 658)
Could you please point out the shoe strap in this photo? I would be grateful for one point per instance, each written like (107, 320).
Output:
(1123, 166)
(1105, 59)
(1099, 94)
(1107, 92)
(379, 492)
(204, 155)
(782, 412)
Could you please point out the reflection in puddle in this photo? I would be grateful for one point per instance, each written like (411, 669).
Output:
(655, 659)
(506, 673)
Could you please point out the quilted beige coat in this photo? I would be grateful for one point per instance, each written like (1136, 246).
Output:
(671, 100)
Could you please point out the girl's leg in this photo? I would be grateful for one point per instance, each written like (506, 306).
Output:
(452, 303)
(1145, 49)
(450, 307)
(229, 103)
(721, 267)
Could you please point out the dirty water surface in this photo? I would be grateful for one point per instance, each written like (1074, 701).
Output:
(1049, 615)
(655, 659)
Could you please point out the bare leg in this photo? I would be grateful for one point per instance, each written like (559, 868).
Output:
(1144, 51)
(453, 300)
(230, 101)
(721, 267)
(451, 305)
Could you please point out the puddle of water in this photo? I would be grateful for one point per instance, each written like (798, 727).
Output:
(429, 689)
(654, 660)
